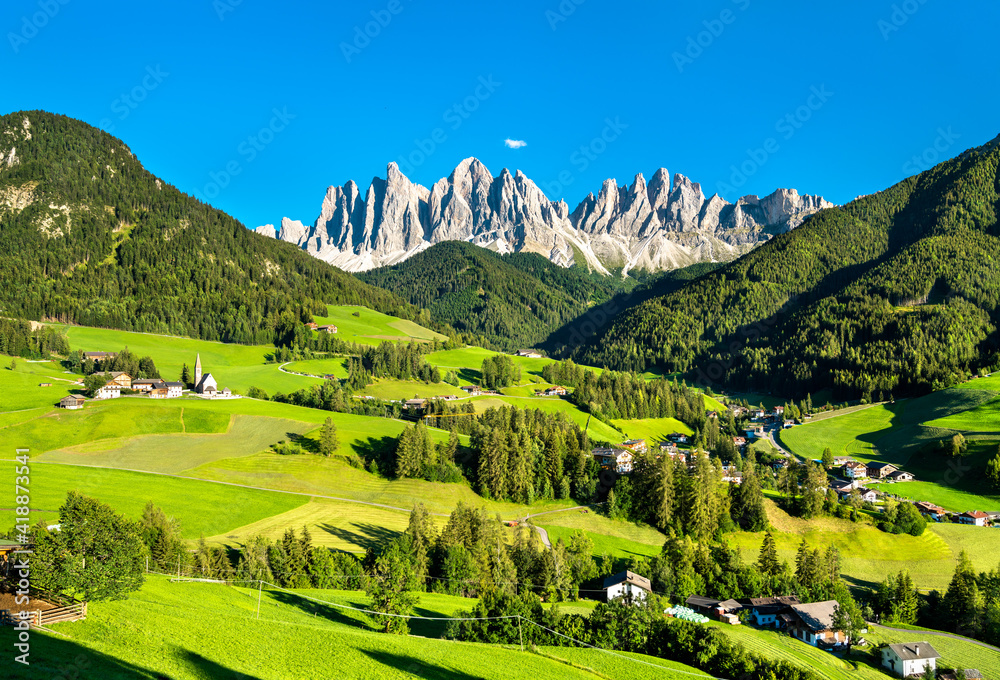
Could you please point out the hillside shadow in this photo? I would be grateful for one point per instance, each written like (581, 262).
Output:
(308, 445)
(860, 582)
(416, 667)
(52, 656)
(380, 449)
(469, 375)
(211, 669)
(366, 536)
(320, 610)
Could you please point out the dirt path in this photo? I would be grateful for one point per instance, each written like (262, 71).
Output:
(937, 634)
(542, 533)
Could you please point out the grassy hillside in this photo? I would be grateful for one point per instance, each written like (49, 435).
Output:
(509, 300)
(885, 294)
(369, 327)
(96, 239)
(196, 630)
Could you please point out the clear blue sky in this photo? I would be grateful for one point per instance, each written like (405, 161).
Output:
(892, 78)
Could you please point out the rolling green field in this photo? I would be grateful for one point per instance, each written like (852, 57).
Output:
(371, 327)
(336, 366)
(398, 390)
(653, 430)
(202, 508)
(234, 366)
(954, 653)
(595, 428)
(200, 630)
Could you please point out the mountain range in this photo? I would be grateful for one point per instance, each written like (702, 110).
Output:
(653, 226)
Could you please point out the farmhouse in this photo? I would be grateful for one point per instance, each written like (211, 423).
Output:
(909, 658)
(415, 404)
(311, 325)
(788, 424)
(117, 381)
(330, 329)
(71, 402)
(635, 445)
(99, 356)
(147, 385)
(901, 476)
(529, 353)
(618, 459)
(975, 517)
(678, 438)
(627, 584)
(931, 511)
(45, 384)
(813, 623)
(554, 391)
(880, 470)
(767, 611)
(779, 411)
(852, 469)
(739, 442)
(473, 390)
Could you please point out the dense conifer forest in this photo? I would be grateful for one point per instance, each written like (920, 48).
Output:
(91, 237)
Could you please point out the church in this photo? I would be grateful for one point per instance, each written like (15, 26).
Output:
(205, 384)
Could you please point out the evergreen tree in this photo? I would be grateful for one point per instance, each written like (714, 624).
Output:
(328, 442)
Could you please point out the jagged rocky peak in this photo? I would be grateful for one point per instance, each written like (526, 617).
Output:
(661, 224)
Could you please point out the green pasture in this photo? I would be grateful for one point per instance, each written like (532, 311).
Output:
(653, 430)
(370, 327)
(595, 428)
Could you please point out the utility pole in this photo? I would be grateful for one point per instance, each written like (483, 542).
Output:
(520, 633)
(260, 586)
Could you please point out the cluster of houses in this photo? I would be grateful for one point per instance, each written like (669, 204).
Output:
(154, 388)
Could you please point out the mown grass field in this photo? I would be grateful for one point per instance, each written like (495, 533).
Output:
(948, 497)
(370, 327)
(653, 430)
(198, 630)
(200, 507)
(399, 390)
(336, 366)
(335, 524)
(983, 418)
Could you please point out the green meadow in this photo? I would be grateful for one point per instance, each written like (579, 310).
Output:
(201, 630)
(370, 327)
(597, 430)
(653, 430)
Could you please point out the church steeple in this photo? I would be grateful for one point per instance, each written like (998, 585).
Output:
(197, 370)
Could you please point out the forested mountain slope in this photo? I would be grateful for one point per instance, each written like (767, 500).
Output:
(896, 291)
(509, 300)
(89, 236)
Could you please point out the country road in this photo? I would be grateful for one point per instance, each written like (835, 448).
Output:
(929, 633)
(542, 533)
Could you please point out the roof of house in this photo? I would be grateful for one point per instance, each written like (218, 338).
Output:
(816, 615)
(978, 514)
(628, 577)
(880, 466)
(174, 384)
(781, 599)
(909, 651)
(701, 601)
(148, 381)
(72, 397)
(729, 605)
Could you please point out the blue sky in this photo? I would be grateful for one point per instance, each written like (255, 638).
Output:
(258, 107)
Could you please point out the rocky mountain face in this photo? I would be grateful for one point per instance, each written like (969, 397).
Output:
(655, 226)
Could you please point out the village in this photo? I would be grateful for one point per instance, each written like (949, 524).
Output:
(118, 383)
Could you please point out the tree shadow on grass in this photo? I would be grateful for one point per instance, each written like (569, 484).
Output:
(57, 657)
(307, 444)
(366, 536)
(380, 449)
(855, 581)
(211, 669)
(325, 611)
(469, 375)
(416, 667)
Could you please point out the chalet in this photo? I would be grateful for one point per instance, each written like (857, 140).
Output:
(312, 325)
(931, 511)
(415, 404)
(779, 411)
(738, 411)
(529, 353)
(634, 445)
(739, 441)
(839, 461)
(731, 475)
(975, 517)
(677, 438)
(758, 413)
(813, 623)
(71, 402)
(99, 356)
(866, 495)
(713, 414)
(901, 476)
(117, 381)
(166, 390)
(842, 489)
(159, 393)
(620, 460)
(329, 328)
(45, 384)
(852, 469)
(767, 611)
(554, 391)
(788, 423)
(147, 385)
(627, 584)
(174, 389)
(473, 390)
(909, 658)
(880, 470)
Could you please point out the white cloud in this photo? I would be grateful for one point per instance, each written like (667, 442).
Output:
(514, 143)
